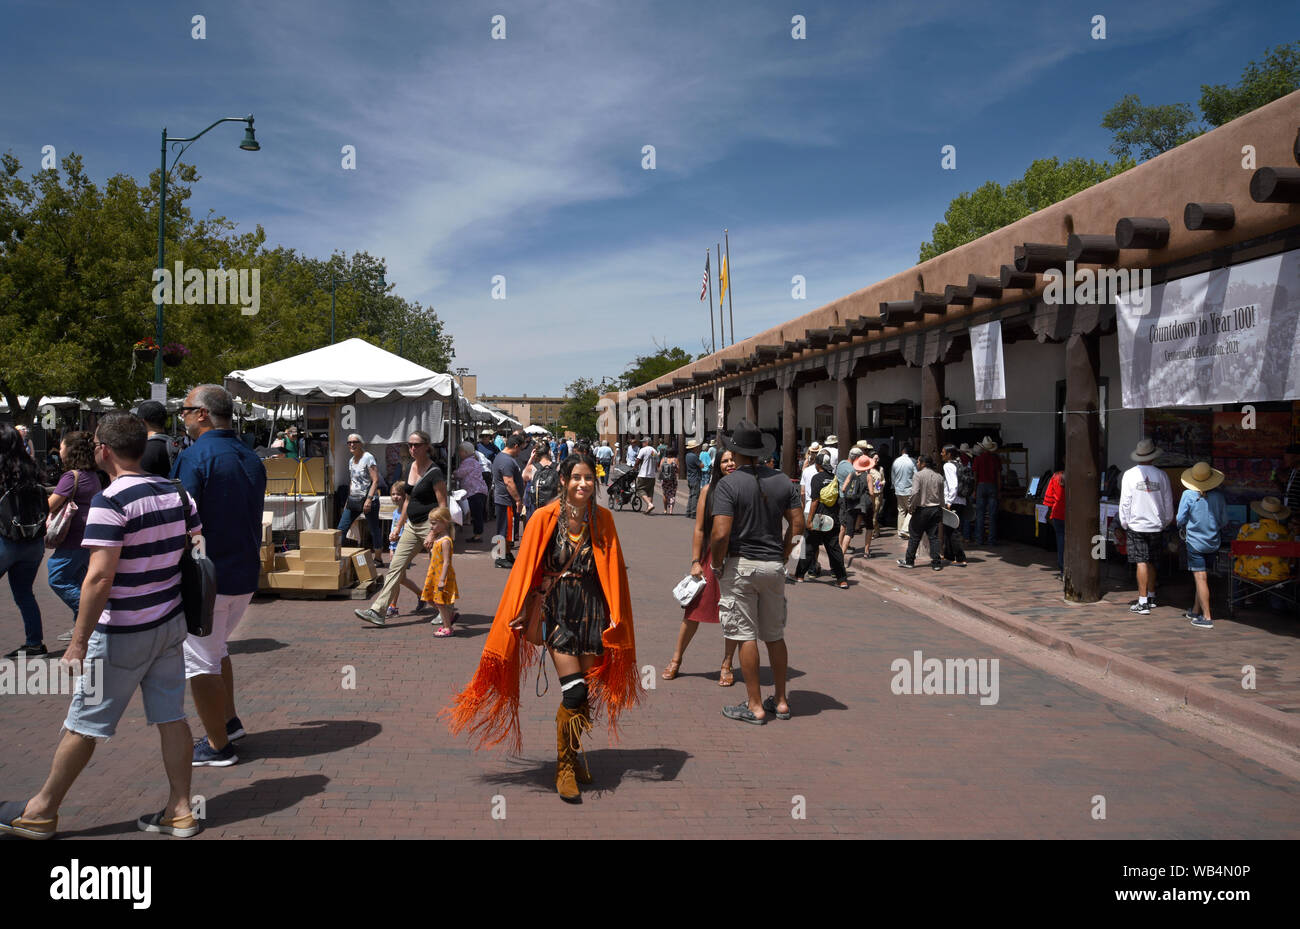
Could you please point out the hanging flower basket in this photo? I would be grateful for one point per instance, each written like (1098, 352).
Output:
(145, 350)
(173, 353)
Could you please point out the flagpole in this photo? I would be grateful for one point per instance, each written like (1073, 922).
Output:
(722, 325)
(730, 313)
(713, 339)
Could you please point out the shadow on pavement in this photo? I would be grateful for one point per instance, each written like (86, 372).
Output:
(609, 766)
(255, 646)
(810, 703)
(261, 798)
(316, 737)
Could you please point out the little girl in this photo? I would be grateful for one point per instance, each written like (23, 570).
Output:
(398, 492)
(440, 583)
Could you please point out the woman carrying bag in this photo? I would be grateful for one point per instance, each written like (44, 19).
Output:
(67, 564)
(823, 524)
(568, 592)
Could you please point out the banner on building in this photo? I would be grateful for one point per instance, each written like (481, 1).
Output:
(986, 361)
(1226, 336)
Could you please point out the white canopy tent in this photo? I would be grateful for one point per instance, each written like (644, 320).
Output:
(357, 387)
(536, 430)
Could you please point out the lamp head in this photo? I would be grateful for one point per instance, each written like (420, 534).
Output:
(250, 141)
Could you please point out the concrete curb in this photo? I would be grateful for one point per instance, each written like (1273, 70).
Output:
(1261, 721)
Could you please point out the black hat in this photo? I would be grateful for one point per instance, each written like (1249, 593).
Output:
(152, 412)
(746, 439)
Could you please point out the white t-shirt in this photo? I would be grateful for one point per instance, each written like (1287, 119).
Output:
(360, 474)
(1146, 504)
(647, 459)
(805, 482)
(631, 455)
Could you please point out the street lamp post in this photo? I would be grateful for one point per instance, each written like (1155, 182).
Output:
(249, 144)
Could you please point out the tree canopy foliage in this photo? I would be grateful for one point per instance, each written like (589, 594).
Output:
(76, 265)
(991, 205)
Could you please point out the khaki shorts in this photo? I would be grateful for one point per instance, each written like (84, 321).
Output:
(752, 602)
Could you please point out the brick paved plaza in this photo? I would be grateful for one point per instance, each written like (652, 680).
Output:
(321, 760)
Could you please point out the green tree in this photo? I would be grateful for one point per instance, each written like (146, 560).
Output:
(648, 367)
(1148, 130)
(579, 414)
(991, 205)
(1261, 83)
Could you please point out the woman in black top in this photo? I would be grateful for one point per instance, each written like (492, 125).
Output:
(428, 490)
(21, 497)
(828, 534)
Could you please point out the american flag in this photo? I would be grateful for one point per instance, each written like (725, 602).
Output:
(704, 284)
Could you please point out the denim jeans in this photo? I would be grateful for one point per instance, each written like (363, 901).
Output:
(1059, 526)
(347, 518)
(67, 569)
(986, 506)
(21, 561)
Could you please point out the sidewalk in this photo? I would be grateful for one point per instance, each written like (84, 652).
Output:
(1012, 585)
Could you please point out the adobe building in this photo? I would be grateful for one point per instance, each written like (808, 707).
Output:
(893, 361)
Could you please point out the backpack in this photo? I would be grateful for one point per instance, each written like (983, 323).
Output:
(965, 481)
(546, 485)
(829, 495)
(23, 510)
(669, 471)
(856, 487)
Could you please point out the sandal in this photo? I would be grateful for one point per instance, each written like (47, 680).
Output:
(670, 672)
(13, 822)
(769, 705)
(446, 631)
(726, 678)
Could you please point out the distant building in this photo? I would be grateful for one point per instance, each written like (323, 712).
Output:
(531, 411)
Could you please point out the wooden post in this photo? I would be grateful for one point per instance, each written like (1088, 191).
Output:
(1275, 185)
(1017, 280)
(789, 410)
(1089, 249)
(1142, 232)
(1217, 216)
(846, 406)
(751, 407)
(931, 401)
(1082, 467)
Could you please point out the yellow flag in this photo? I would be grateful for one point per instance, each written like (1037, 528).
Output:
(722, 281)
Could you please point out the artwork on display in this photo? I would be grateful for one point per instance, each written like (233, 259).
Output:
(1272, 433)
(1246, 479)
(1184, 437)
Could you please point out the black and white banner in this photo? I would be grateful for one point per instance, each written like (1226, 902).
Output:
(1226, 336)
(986, 361)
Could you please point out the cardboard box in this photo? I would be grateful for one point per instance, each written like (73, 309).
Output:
(282, 563)
(363, 566)
(286, 580)
(347, 553)
(322, 553)
(292, 561)
(318, 538)
(324, 582)
(322, 568)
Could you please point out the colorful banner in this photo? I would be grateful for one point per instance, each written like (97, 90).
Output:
(986, 362)
(1226, 336)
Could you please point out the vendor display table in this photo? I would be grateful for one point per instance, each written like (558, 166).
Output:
(289, 513)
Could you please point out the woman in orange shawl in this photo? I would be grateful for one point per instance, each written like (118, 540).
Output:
(587, 624)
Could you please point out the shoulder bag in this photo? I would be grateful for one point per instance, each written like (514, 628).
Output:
(198, 579)
(58, 522)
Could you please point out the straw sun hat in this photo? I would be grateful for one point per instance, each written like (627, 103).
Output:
(1272, 508)
(1202, 477)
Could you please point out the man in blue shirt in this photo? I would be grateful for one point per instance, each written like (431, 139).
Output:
(227, 483)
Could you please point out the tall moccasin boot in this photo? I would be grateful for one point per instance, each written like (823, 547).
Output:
(566, 784)
(580, 724)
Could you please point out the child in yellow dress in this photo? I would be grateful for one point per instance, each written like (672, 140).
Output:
(440, 583)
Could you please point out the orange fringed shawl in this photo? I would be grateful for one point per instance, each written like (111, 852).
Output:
(489, 705)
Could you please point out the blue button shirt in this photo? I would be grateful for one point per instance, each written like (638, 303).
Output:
(1204, 516)
(227, 483)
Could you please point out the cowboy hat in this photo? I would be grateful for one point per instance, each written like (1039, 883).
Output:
(988, 444)
(692, 443)
(1272, 508)
(964, 448)
(861, 443)
(815, 447)
(748, 440)
(832, 440)
(1146, 451)
(1202, 477)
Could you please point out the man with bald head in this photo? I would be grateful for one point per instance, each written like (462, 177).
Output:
(227, 482)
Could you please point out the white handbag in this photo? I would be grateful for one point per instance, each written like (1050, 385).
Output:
(687, 589)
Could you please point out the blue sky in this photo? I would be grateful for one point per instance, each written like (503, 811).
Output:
(522, 157)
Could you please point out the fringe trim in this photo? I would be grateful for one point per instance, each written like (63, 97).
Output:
(614, 685)
(489, 706)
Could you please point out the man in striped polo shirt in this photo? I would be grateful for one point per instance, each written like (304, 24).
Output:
(130, 631)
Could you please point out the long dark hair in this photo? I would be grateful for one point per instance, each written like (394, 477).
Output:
(16, 466)
(571, 461)
(715, 475)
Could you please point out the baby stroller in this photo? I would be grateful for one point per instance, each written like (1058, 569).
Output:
(622, 488)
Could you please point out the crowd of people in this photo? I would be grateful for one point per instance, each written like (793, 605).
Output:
(120, 514)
